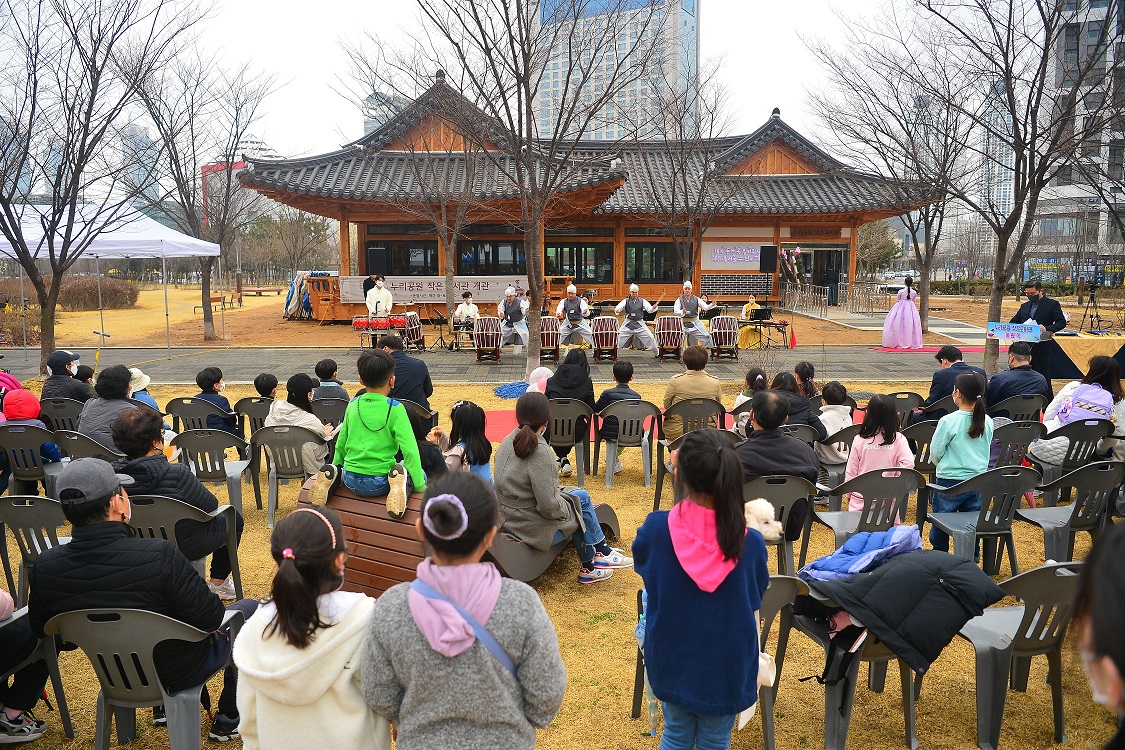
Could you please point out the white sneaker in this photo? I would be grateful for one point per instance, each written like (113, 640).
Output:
(615, 559)
(225, 590)
(565, 469)
(593, 576)
(397, 496)
(617, 467)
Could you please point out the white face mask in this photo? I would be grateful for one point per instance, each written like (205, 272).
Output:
(1099, 697)
(222, 386)
(379, 284)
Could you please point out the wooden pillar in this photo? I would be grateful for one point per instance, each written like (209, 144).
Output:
(619, 280)
(777, 270)
(853, 245)
(346, 245)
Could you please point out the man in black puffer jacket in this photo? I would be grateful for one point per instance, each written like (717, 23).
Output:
(104, 567)
(139, 433)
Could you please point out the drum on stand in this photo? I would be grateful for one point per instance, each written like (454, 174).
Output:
(549, 338)
(605, 338)
(669, 337)
(413, 331)
(486, 338)
(381, 323)
(724, 337)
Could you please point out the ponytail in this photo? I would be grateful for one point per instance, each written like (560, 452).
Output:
(533, 410)
(976, 427)
(304, 545)
(971, 387)
(526, 440)
(706, 463)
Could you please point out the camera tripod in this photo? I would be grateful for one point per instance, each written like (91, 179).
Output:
(1091, 312)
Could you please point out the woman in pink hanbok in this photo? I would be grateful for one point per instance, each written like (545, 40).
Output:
(903, 328)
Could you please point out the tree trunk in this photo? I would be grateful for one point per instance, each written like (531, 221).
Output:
(533, 251)
(450, 292)
(924, 298)
(205, 266)
(995, 303)
(48, 301)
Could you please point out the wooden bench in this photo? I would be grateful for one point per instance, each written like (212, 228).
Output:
(216, 302)
(232, 300)
(258, 291)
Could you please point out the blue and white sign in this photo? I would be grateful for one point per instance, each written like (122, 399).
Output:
(1013, 332)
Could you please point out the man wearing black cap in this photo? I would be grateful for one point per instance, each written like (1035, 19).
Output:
(60, 382)
(104, 567)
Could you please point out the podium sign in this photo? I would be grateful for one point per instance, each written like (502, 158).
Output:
(1013, 332)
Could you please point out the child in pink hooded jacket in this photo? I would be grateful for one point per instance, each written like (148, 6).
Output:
(704, 574)
(879, 445)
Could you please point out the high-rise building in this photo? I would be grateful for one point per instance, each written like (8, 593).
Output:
(667, 28)
(141, 153)
(997, 169)
(380, 107)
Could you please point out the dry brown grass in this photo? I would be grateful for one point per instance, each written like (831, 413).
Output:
(595, 626)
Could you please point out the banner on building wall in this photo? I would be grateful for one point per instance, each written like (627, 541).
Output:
(731, 256)
(432, 288)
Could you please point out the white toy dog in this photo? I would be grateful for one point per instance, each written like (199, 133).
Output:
(760, 517)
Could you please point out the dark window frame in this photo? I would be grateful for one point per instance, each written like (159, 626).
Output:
(485, 256)
(578, 259)
(663, 268)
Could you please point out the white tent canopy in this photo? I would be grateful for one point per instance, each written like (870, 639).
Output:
(133, 235)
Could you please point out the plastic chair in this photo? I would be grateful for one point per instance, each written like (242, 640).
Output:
(61, 413)
(47, 654)
(252, 412)
(143, 405)
(632, 417)
(1084, 437)
(329, 410)
(885, 495)
(283, 445)
(429, 416)
(839, 699)
(905, 404)
(190, 413)
(694, 414)
(803, 432)
(1006, 638)
(21, 443)
(817, 401)
(156, 516)
(776, 602)
(119, 644)
(1001, 492)
(523, 562)
(1014, 439)
(1026, 408)
(565, 433)
(939, 409)
(724, 337)
(205, 452)
(77, 445)
(920, 435)
(1095, 486)
(664, 468)
(842, 441)
(783, 492)
(34, 522)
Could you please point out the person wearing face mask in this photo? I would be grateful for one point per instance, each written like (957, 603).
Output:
(211, 387)
(104, 566)
(1047, 313)
(1099, 610)
(60, 382)
(379, 300)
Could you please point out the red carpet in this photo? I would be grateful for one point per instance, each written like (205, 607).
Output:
(929, 349)
(499, 424)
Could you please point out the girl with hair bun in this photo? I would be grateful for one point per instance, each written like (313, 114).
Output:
(902, 328)
(960, 449)
(299, 655)
(705, 575)
(462, 657)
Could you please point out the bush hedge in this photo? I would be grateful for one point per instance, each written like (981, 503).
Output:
(984, 286)
(77, 293)
(11, 328)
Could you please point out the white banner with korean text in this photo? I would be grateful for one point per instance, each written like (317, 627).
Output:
(432, 288)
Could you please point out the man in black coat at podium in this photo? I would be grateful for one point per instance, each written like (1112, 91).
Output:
(1049, 315)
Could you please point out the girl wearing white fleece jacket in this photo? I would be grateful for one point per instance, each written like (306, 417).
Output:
(426, 670)
(298, 655)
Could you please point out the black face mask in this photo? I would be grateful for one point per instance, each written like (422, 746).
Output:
(1033, 296)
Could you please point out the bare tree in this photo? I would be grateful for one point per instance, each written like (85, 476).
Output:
(1037, 74)
(302, 237)
(68, 85)
(875, 247)
(877, 106)
(202, 116)
(501, 54)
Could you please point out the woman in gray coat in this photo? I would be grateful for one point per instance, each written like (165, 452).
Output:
(533, 507)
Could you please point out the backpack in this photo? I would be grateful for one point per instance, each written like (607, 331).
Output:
(1089, 401)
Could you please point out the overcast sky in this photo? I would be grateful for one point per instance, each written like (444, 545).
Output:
(765, 63)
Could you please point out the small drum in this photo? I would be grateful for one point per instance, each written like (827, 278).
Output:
(412, 325)
(549, 338)
(605, 338)
(380, 323)
(398, 321)
(724, 337)
(669, 337)
(486, 338)
(360, 323)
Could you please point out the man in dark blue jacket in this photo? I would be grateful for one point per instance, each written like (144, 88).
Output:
(1048, 313)
(622, 376)
(949, 367)
(1019, 379)
(412, 377)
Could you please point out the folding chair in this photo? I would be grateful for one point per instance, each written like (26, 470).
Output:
(204, 451)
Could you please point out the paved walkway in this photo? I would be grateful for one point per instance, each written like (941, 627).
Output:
(954, 329)
(242, 364)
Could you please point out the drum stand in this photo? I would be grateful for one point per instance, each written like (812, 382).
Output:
(440, 343)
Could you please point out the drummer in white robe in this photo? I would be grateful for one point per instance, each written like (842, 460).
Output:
(635, 329)
(513, 319)
(688, 307)
(572, 313)
(379, 300)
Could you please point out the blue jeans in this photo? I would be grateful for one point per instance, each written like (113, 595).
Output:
(684, 730)
(585, 541)
(365, 485)
(962, 502)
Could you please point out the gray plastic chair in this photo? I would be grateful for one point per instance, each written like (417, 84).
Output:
(155, 517)
(920, 435)
(252, 412)
(565, 415)
(776, 602)
(905, 404)
(1084, 437)
(637, 422)
(1006, 638)
(841, 440)
(1001, 492)
(1095, 487)
(664, 468)
(1013, 440)
(190, 413)
(332, 409)
(119, 644)
(429, 416)
(34, 522)
(205, 452)
(76, 445)
(817, 401)
(1026, 408)
(839, 699)
(21, 443)
(803, 432)
(939, 409)
(61, 413)
(783, 492)
(694, 414)
(48, 655)
(283, 445)
(885, 495)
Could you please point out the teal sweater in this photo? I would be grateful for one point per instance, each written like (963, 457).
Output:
(374, 430)
(957, 455)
